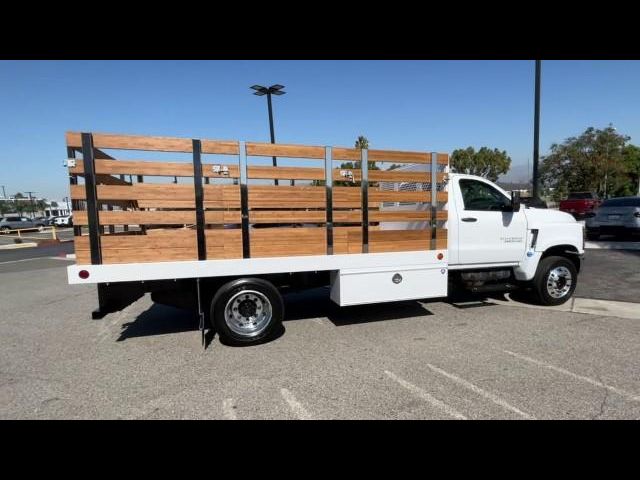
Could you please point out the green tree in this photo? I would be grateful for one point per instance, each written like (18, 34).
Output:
(631, 159)
(485, 162)
(361, 143)
(593, 161)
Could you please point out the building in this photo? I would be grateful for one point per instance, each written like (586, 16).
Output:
(56, 208)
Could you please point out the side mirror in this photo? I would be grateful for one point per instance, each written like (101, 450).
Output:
(515, 201)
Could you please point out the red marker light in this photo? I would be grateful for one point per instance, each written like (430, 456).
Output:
(440, 256)
(83, 274)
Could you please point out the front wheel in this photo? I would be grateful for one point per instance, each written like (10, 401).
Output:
(555, 280)
(247, 311)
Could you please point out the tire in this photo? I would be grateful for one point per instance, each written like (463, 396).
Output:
(247, 311)
(550, 291)
(4, 229)
(41, 228)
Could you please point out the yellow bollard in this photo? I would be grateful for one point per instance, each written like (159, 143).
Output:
(19, 234)
(53, 231)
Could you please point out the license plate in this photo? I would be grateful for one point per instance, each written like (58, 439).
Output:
(614, 217)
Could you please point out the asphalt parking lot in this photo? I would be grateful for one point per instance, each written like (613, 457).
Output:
(476, 359)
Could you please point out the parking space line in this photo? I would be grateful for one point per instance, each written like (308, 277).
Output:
(22, 260)
(474, 388)
(228, 409)
(320, 321)
(426, 396)
(296, 406)
(592, 381)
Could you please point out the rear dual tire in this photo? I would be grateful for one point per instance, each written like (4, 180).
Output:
(247, 311)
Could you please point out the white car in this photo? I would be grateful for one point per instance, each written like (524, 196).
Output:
(65, 221)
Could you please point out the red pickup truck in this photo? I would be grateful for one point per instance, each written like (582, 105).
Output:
(580, 204)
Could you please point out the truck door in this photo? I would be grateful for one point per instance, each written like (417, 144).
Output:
(487, 232)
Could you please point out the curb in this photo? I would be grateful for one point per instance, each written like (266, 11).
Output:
(591, 306)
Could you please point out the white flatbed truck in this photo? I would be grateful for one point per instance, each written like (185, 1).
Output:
(246, 244)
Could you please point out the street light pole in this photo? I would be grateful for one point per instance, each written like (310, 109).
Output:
(4, 195)
(536, 132)
(275, 90)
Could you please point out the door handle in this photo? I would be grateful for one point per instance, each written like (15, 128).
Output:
(469, 219)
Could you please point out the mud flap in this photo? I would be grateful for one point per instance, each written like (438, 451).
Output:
(116, 296)
(201, 315)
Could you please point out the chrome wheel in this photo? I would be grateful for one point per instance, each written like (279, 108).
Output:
(559, 282)
(248, 313)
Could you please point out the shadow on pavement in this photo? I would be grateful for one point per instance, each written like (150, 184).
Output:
(159, 320)
(316, 303)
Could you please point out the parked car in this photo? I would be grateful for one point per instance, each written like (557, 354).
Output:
(64, 221)
(579, 204)
(49, 221)
(615, 216)
(15, 222)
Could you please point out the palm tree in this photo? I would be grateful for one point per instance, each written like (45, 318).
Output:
(362, 142)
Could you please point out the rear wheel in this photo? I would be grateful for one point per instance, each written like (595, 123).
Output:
(555, 280)
(247, 311)
(4, 229)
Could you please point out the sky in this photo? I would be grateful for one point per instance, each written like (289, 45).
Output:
(399, 105)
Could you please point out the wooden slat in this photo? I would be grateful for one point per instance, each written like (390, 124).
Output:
(405, 157)
(226, 147)
(402, 176)
(220, 196)
(295, 173)
(274, 242)
(270, 196)
(287, 216)
(405, 215)
(400, 196)
(133, 142)
(349, 154)
(142, 217)
(354, 155)
(180, 244)
(154, 168)
(114, 255)
(174, 238)
(282, 150)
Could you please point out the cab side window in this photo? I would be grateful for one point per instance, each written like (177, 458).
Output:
(480, 196)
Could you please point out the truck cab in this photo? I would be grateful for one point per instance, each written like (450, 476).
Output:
(493, 237)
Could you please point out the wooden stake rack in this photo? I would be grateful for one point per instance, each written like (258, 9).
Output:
(219, 204)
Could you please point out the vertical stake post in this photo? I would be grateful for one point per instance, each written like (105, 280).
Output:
(364, 182)
(244, 200)
(434, 198)
(328, 175)
(92, 198)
